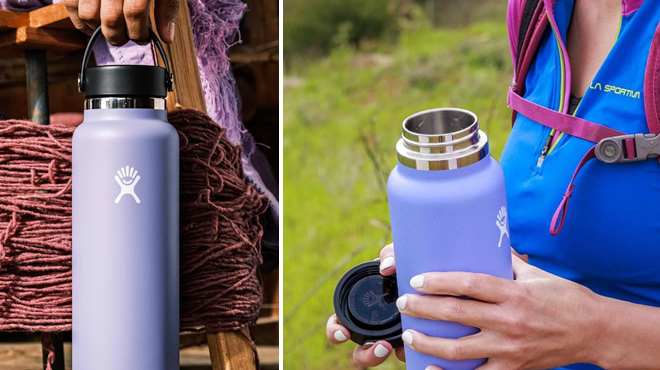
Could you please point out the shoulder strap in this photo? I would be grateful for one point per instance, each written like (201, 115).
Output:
(652, 85)
(525, 22)
(532, 24)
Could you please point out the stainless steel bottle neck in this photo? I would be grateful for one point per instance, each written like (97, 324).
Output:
(125, 103)
(441, 139)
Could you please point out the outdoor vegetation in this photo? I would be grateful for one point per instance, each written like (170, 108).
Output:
(353, 71)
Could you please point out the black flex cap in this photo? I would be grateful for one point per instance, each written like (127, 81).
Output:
(125, 80)
(365, 303)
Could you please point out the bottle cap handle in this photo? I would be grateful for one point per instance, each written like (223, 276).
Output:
(88, 51)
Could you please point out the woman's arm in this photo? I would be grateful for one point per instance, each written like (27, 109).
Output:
(630, 336)
(537, 321)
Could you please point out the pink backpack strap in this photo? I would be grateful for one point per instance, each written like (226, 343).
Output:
(571, 125)
(526, 22)
(513, 14)
(612, 146)
(557, 222)
(624, 146)
(652, 86)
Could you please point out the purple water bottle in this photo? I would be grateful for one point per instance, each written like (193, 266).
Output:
(448, 213)
(125, 221)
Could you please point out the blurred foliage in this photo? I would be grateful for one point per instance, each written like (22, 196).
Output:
(315, 26)
(342, 118)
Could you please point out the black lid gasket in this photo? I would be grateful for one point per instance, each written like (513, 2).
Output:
(365, 303)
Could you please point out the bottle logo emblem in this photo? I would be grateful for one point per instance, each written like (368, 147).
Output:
(371, 299)
(127, 177)
(502, 224)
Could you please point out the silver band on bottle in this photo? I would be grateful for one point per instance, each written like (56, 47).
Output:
(125, 102)
(441, 139)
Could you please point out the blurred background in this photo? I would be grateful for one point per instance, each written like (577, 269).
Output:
(353, 72)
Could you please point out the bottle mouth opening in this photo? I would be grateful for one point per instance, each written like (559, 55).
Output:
(440, 139)
(440, 123)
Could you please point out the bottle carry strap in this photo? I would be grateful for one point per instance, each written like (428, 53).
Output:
(169, 77)
(612, 146)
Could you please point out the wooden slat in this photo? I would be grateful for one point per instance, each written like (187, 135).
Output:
(235, 351)
(11, 20)
(51, 16)
(188, 92)
(43, 39)
(187, 82)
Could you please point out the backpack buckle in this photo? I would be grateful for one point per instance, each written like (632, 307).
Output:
(628, 148)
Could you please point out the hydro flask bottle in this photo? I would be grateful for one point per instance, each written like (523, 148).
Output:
(448, 213)
(125, 220)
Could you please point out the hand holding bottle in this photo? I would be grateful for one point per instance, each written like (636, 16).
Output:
(124, 20)
(538, 320)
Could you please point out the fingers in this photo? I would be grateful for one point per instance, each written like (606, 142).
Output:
(443, 308)
(72, 9)
(370, 355)
(120, 20)
(400, 353)
(483, 287)
(432, 367)
(387, 263)
(89, 12)
(113, 23)
(335, 332)
(491, 365)
(136, 15)
(166, 13)
(466, 348)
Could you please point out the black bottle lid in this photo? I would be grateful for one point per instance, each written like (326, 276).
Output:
(365, 303)
(125, 80)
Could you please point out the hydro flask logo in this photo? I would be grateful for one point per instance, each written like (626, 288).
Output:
(127, 179)
(502, 224)
(371, 299)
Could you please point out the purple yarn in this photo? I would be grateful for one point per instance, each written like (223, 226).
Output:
(215, 29)
(215, 26)
(25, 5)
(131, 53)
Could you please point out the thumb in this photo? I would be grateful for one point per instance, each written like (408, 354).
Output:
(166, 13)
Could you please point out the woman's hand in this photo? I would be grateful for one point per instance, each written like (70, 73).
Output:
(372, 354)
(124, 20)
(537, 321)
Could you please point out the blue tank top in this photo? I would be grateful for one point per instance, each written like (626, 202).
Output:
(610, 242)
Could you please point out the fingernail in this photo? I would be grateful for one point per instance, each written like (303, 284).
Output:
(387, 262)
(170, 30)
(368, 345)
(417, 281)
(407, 337)
(381, 351)
(401, 302)
(340, 336)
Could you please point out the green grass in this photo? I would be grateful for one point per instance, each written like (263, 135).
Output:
(346, 106)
